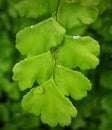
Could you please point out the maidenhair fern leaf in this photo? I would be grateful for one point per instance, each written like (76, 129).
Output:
(34, 8)
(74, 53)
(50, 56)
(73, 14)
(72, 82)
(39, 38)
(48, 101)
(33, 69)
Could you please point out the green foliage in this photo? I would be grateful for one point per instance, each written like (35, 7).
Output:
(37, 34)
(57, 109)
(71, 83)
(84, 59)
(34, 8)
(5, 43)
(56, 60)
(33, 69)
(106, 81)
(75, 14)
(48, 41)
(106, 117)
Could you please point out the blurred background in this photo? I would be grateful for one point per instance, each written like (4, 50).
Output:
(94, 111)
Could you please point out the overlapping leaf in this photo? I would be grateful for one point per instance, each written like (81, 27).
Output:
(34, 8)
(72, 82)
(81, 52)
(33, 69)
(40, 38)
(50, 103)
(74, 14)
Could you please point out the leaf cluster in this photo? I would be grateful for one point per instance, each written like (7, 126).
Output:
(52, 54)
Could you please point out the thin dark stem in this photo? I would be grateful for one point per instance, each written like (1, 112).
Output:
(54, 57)
(53, 50)
(56, 12)
(57, 9)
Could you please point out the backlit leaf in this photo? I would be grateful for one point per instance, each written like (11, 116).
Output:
(71, 82)
(75, 14)
(75, 53)
(36, 68)
(40, 38)
(34, 8)
(48, 101)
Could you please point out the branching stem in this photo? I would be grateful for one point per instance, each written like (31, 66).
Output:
(55, 61)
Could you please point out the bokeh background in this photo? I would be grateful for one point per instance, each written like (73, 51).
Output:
(94, 111)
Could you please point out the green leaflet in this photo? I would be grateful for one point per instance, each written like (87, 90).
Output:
(78, 11)
(50, 103)
(34, 8)
(72, 82)
(79, 51)
(33, 69)
(40, 38)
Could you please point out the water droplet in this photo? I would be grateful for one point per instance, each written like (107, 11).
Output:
(31, 26)
(39, 90)
(76, 36)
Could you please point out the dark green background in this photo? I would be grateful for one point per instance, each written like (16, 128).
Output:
(94, 111)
